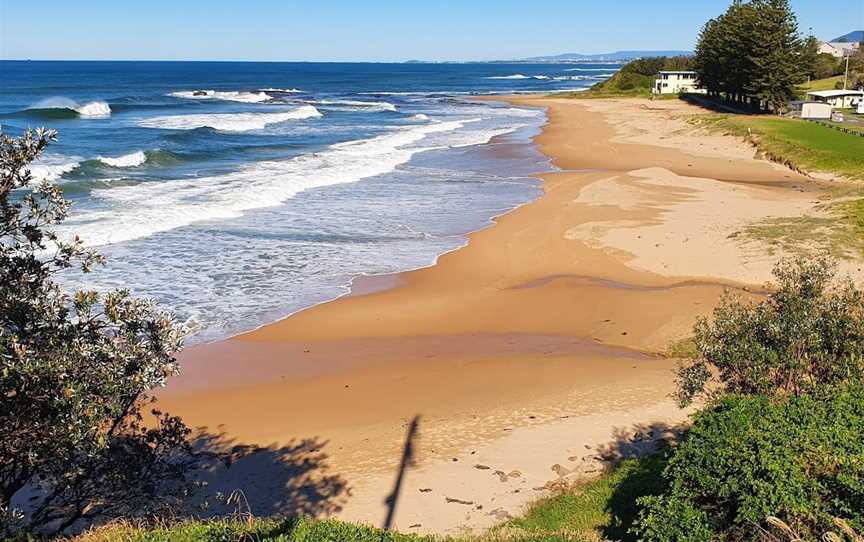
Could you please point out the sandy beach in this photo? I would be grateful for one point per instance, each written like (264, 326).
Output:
(524, 359)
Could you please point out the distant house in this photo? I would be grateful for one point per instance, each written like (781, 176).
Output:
(843, 99)
(677, 82)
(839, 48)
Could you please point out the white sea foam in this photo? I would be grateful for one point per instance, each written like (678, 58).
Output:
(356, 105)
(591, 69)
(52, 167)
(282, 90)
(144, 209)
(228, 96)
(229, 122)
(514, 76)
(94, 109)
(127, 160)
(420, 116)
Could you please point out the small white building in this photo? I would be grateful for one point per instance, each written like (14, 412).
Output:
(839, 48)
(677, 82)
(811, 110)
(843, 99)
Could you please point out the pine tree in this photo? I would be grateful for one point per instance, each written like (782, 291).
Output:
(776, 55)
(753, 54)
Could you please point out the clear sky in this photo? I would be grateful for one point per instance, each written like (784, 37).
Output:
(375, 30)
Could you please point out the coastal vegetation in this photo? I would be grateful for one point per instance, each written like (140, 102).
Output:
(753, 55)
(75, 369)
(635, 78)
(782, 435)
(804, 146)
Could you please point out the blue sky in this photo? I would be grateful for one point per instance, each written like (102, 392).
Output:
(375, 30)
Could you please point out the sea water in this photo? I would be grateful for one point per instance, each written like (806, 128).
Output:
(238, 193)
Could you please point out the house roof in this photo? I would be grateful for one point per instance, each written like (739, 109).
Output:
(677, 72)
(835, 93)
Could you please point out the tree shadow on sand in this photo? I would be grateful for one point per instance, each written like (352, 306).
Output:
(651, 442)
(293, 480)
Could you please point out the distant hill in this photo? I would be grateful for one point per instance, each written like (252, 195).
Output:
(855, 35)
(616, 56)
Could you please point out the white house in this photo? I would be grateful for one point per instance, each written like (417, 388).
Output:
(676, 82)
(839, 48)
(843, 99)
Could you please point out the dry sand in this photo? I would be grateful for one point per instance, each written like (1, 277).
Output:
(525, 356)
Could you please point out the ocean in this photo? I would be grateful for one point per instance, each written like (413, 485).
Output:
(238, 193)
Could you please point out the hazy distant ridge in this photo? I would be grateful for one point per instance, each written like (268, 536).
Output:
(855, 35)
(616, 56)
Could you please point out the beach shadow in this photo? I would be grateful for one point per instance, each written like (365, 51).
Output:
(719, 105)
(290, 481)
(651, 443)
(407, 461)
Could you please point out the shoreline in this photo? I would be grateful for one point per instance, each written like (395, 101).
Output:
(370, 282)
(528, 350)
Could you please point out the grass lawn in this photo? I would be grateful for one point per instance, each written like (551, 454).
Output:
(822, 84)
(804, 145)
(588, 512)
(603, 509)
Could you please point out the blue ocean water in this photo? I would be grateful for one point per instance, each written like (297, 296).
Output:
(238, 193)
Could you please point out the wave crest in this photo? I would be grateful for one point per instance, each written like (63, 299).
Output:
(356, 105)
(59, 104)
(133, 159)
(229, 122)
(144, 209)
(227, 96)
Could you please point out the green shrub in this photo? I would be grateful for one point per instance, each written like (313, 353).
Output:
(76, 369)
(799, 458)
(808, 332)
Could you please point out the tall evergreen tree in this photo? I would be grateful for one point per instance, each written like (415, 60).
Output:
(810, 57)
(753, 53)
(776, 56)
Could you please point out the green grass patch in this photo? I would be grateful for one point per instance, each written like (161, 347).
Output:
(682, 348)
(603, 509)
(800, 144)
(255, 530)
(839, 232)
(829, 83)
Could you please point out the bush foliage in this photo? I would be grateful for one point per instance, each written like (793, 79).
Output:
(807, 333)
(799, 458)
(754, 53)
(75, 370)
(639, 74)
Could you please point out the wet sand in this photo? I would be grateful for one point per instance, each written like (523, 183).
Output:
(525, 355)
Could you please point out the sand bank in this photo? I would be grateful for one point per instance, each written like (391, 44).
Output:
(523, 357)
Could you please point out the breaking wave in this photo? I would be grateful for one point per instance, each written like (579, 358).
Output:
(281, 90)
(144, 209)
(229, 122)
(60, 107)
(227, 96)
(355, 105)
(52, 167)
(133, 159)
